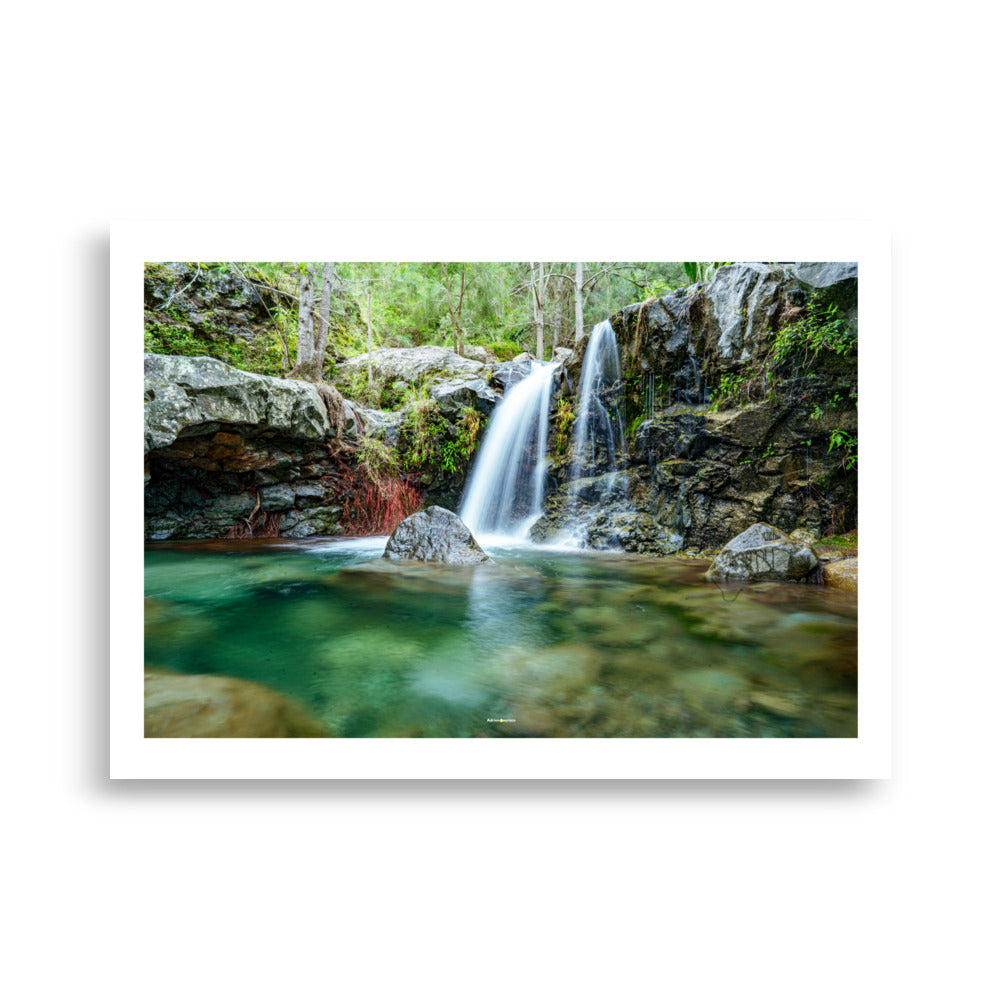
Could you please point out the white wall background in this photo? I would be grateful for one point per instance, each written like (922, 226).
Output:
(725, 889)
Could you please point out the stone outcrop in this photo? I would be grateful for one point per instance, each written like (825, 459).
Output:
(232, 453)
(410, 364)
(455, 395)
(200, 705)
(197, 396)
(208, 301)
(704, 476)
(434, 535)
(762, 552)
(693, 335)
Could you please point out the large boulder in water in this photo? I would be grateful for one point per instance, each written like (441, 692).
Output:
(434, 535)
(762, 552)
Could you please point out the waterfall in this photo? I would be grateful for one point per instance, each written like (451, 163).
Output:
(505, 490)
(599, 424)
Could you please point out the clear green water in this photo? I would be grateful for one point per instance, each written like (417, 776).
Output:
(554, 643)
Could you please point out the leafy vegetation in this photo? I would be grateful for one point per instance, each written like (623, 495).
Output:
(817, 330)
(562, 425)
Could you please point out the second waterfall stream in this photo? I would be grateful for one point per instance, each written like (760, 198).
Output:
(506, 487)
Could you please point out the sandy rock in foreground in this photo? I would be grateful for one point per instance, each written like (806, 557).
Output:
(202, 705)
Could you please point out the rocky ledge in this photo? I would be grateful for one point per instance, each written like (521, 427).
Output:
(231, 453)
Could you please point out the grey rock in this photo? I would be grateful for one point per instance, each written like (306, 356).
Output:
(452, 397)
(230, 508)
(409, 364)
(186, 396)
(823, 274)
(476, 353)
(381, 424)
(508, 373)
(309, 494)
(309, 523)
(434, 535)
(280, 496)
(733, 295)
(762, 552)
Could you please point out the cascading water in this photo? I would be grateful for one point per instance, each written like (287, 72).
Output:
(505, 490)
(599, 437)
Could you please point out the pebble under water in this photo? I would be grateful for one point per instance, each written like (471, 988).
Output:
(553, 643)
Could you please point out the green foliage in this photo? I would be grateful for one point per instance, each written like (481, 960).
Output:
(841, 439)
(818, 330)
(457, 452)
(355, 386)
(505, 350)
(701, 270)
(170, 333)
(731, 389)
(423, 428)
(377, 459)
(562, 425)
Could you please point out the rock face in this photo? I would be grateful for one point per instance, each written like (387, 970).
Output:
(455, 395)
(196, 396)
(762, 552)
(231, 453)
(184, 705)
(691, 336)
(703, 476)
(209, 301)
(434, 535)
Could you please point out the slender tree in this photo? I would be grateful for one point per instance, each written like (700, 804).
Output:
(368, 312)
(578, 301)
(538, 306)
(322, 333)
(307, 343)
(455, 308)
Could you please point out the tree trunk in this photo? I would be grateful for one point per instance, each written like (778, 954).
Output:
(458, 339)
(323, 327)
(371, 380)
(578, 301)
(539, 302)
(304, 354)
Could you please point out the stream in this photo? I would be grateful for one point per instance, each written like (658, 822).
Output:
(546, 642)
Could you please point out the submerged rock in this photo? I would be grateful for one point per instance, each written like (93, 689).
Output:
(762, 552)
(200, 705)
(434, 535)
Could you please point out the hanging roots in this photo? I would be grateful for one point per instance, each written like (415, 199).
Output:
(336, 408)
(264, 527)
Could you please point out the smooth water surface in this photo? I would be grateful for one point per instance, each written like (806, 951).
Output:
(554, 643)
